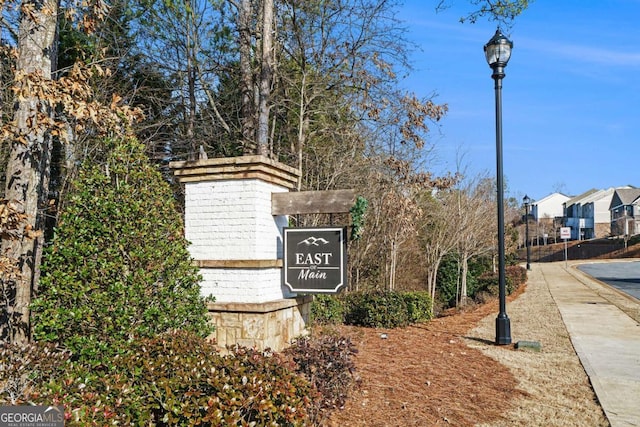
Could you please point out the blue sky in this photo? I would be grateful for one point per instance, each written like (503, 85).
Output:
(571, 95)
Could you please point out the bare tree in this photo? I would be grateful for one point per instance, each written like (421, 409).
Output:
(475, 217)
(439, 232)
(392, 221)
(338, 71)
(187, 41)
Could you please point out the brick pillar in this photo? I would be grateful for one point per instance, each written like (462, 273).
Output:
(237, 243)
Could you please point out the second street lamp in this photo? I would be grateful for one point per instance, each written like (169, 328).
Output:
(498, 52)
(526, 200)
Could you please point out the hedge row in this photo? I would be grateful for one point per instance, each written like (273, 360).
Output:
(376, 309)
(387, 309)
(179, 378)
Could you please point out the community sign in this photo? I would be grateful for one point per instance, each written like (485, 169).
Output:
(315, 259)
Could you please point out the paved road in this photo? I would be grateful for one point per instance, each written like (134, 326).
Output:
(624, 276)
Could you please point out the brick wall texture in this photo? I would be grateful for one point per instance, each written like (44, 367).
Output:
(231, 219)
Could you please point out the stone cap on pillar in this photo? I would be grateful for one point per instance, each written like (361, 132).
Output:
(244, 167)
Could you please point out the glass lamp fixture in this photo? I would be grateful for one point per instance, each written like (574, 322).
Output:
(498, 50)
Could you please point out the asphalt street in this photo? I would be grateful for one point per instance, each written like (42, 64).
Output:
(624, 276)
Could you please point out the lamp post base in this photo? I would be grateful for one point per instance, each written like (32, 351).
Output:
(503, 330)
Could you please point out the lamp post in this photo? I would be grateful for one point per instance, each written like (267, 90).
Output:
(498, 52)
(526, 200)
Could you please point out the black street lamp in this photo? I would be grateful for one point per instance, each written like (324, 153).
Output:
(498, 52)
(526, 200)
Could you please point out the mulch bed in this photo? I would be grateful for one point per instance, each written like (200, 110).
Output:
(425, 375)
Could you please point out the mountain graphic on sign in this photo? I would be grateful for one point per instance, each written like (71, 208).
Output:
(314, 241)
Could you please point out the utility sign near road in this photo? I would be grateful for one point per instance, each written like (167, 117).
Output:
(315, 259)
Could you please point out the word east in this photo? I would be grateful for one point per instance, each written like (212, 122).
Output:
(313, 259)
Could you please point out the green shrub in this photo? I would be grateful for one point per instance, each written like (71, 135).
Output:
(327, 309)
(418, 306)
(327, 363)
(634, 240)
(377, 309)
(179, 379)
(118, 267)
(387, 309)
(447, 280)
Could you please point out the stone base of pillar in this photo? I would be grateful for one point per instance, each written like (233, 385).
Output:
(270, 325)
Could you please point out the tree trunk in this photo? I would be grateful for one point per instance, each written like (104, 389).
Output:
(29, 161)
(392, 270)
(246, 78)
(463, 280)
(190, 52)
(266, 77)
(431, 287)
(458, 282)
(434, 277)
(303, 126)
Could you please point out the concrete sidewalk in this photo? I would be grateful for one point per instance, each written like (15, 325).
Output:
(600, 322)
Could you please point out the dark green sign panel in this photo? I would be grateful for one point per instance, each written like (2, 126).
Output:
(315, 259)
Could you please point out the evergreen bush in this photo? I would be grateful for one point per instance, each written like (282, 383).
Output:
(488, 284)
(387, 309)
(476, 268)
(447, 289)
(118, 268)
(516, 275)
(178, 378)
(327, 309)
(449, 281)
(418, 306)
